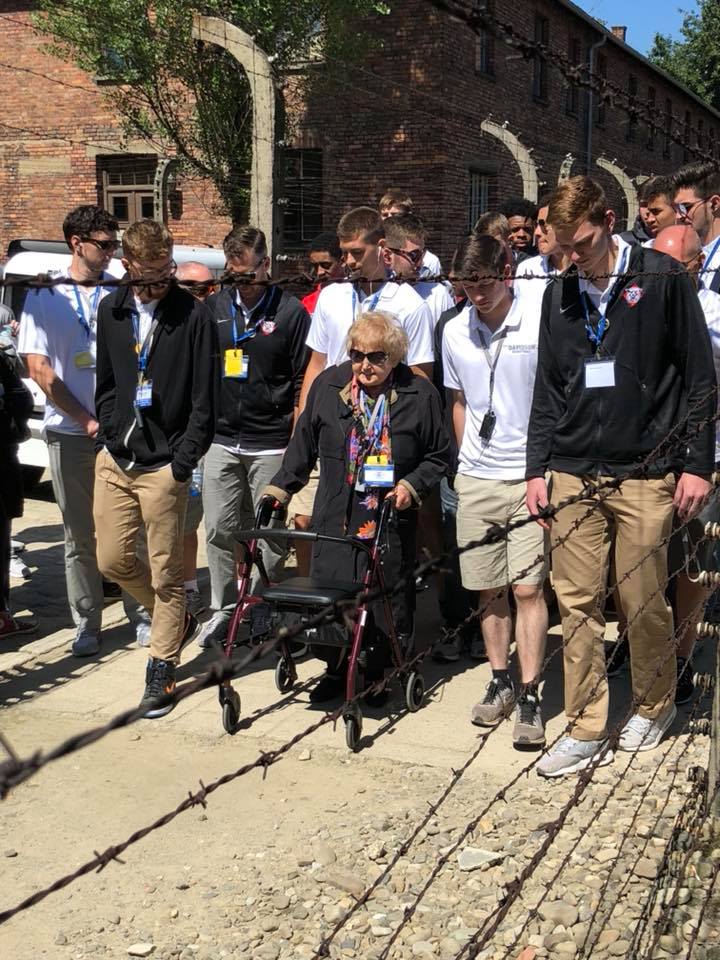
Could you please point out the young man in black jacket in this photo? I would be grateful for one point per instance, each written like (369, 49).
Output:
(156, 404)
(623, 362)
(261, 330)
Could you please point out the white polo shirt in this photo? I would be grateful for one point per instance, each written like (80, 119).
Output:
(50, 326)
(430, 266)
(339, 304)
(711, 262)
(710, 303)
(540, 269)
(438, 296)
(466, 368)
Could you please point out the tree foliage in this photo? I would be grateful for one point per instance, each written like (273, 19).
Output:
(694, 60)
(190, 98)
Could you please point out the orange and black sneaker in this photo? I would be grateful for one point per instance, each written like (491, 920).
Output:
(159, 681)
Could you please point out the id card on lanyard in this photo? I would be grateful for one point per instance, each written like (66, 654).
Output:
(377, 469)
(85, 359)
(358, 308)
(236, 363)
(599, 369)
(143, 391)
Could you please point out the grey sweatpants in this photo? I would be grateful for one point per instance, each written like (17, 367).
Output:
(72, 468)
(232, 485)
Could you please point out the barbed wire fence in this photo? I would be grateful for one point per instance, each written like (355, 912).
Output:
(15, 771)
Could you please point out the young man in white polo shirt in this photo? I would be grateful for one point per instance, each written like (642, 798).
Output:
(403, 247)
(360, 233)
(58, 330)
(697, 203)
(532, 275)
(490, 358)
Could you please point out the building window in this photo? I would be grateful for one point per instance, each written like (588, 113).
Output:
(540, 67)
(652, 119)
(480, 196)
(687, 126)
(701, 134)
(302, 219)
(668, 128)
(127, 187)
(484, 41)
(632, 118)
(711, 142)
(600, 109)
(572, 96)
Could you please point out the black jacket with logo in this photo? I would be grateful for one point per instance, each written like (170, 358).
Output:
(664, 378)
(179, 425)
(257, 413)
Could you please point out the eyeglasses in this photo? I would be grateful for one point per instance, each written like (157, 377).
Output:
(414, 256)
(197, 287)
(685, 209)
(107, 246)
(376, 357)
(151, 280)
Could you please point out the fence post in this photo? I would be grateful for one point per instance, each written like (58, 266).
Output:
(713, 780)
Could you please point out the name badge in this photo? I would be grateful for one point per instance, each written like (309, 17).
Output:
(599, 373)
(377, 472)
(237, 364)
(143, 395)
(84, 360)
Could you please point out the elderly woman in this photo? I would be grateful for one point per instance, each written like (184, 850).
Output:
(371, 406)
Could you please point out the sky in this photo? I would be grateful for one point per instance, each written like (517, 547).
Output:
(643, 18)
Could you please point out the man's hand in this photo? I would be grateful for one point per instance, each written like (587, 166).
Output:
(402, 497)
(690, 495)
(91, 427)
(536, 497)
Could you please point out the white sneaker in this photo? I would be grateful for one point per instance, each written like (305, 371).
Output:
(142, 633)
(18, 569)
(571, 756)
(641, 734)
(215, 631)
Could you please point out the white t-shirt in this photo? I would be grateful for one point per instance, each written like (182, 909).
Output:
(466, 368)
(711, 263)
(599, 297)
(50, 326)
(339, 304)
(430, 266)
(145, 313)
(532, 291)
(710, 303)
(438, 297)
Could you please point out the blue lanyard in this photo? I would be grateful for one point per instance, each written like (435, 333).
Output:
(84, 323)
(371, 306)
(258, 311)
(706, 265)
(143, 350)
(595, 334)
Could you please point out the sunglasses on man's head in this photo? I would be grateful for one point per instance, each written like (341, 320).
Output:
(376, 357)
(105, 245)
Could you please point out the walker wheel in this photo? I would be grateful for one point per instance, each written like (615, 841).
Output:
(414, 691)
(231, 713)
(353, 731)
(284, 676)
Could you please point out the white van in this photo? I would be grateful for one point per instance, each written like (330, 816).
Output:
(28, 258)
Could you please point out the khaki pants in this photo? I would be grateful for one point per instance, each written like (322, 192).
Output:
(124, 500)
(642, 511)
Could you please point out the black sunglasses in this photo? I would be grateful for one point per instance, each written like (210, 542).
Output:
(376, 357)
(105, 245)
(414, 256)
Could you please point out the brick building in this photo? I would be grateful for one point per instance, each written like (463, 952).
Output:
(433, 108)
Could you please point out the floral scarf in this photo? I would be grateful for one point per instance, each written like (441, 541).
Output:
(369, 435)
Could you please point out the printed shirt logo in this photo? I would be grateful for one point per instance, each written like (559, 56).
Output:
(267, 327)
(633, 295)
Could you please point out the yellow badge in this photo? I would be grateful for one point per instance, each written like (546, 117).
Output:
(84, 359)
(380, 460)
(233, 363)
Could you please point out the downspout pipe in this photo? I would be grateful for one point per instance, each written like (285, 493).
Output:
(589, 131)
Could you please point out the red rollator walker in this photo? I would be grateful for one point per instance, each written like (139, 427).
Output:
(297, 600)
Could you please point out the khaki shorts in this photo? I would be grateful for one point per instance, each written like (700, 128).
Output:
(483, 504)
(303, 502)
